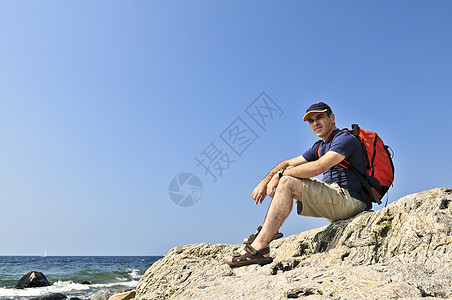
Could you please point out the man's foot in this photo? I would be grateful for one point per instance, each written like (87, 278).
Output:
(252, 237)
(251, 256)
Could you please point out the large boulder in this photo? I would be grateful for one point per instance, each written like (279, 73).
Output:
(401, 251)
(32, 279)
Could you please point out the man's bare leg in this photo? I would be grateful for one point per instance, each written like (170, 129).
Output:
(280, 208)
(246, 240)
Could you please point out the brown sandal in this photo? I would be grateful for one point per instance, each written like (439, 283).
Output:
(252, 237)
(252, 256)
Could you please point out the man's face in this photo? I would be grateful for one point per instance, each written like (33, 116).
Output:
(321, 124)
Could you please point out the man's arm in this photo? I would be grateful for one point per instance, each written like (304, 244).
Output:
(308, 169)
(317, 167)
(260, 191)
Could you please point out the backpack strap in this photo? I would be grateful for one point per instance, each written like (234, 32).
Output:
(345, 129)
(372, 162)
(346, 165)
(317, 148)
(331, 144)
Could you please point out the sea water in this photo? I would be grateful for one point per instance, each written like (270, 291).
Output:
(66, 274)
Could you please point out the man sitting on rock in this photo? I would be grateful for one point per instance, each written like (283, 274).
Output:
(337, 197)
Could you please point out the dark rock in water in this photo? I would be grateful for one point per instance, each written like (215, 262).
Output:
(85, 282)
(53, 296)
(32, 279)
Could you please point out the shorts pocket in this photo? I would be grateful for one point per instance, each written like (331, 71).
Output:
(336, 193)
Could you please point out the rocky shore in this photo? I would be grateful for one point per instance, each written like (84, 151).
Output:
(401, 251)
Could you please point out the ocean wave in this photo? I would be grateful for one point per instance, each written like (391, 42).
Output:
(65, 275)
(129, 279)
(57, 287)
(131, 274)
(128, 284)
(64, 287)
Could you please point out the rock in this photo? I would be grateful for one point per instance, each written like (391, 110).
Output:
(123, 296)
(106, 294)
(53, 296)
(85, 282)
(401, 251)
(32, 279)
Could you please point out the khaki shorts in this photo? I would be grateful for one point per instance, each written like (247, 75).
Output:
(328, 201)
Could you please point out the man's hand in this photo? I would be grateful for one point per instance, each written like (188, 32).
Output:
(260, 192)
(272, 185)
(264, 188)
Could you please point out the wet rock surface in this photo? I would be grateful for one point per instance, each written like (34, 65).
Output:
(32, 279)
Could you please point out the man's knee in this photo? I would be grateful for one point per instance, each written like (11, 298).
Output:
(293, 184)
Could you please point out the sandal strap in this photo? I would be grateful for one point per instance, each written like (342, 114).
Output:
(250, 252)
(236, 254)
(254, 235)
(255, 252)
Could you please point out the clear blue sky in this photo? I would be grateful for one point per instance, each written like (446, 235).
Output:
(104, 102)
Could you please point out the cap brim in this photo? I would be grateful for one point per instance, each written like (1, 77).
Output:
(313, 111)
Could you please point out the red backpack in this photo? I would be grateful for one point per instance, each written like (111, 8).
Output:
(378, 162)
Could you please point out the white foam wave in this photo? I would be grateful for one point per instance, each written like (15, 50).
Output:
(70, 286)
(134, 274)
(131, 284)
(57, 287)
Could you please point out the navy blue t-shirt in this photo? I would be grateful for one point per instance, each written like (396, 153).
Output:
(346, 144)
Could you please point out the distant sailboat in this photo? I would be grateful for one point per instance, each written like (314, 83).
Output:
(45, 254)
